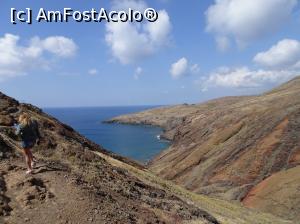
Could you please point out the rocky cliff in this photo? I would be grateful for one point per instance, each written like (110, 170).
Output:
(235, 148)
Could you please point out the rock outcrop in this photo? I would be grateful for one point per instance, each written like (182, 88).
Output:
(234, 148)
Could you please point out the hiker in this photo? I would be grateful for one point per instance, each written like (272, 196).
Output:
(28, 131)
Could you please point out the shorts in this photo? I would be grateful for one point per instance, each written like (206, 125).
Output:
(27, 144)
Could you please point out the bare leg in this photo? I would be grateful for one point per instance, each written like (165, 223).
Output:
(28, 157)
(31, 158)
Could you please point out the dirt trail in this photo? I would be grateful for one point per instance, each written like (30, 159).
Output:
(78, 181)
(55, 194)
(39, 198)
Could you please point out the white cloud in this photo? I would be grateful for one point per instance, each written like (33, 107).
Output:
(247, 20)
(9, 50)
(159, 31)
(60, 46)
(131, 42)
(127, 43)
(16, 59)
(138, 72)
(243, 77)
(285, 54)
(179, 68)
(182, 68)
(93, 71)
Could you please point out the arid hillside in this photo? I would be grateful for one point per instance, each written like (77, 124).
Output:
(77, 181)
(235, 148)
(74, 183)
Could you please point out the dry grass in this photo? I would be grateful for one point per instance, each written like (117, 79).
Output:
(226, 212)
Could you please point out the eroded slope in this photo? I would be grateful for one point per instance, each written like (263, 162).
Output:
(72, 179)
(226, 147)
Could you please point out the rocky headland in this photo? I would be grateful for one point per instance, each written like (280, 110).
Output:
(244, 149)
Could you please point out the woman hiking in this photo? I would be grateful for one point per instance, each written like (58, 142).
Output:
(29, 133)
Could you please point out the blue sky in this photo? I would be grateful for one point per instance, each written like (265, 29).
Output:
(195, 51)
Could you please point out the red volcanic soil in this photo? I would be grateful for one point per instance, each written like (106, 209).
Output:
(228, 146)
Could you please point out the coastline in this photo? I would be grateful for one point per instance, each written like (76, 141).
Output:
(136, 142)
(227, 147)
(142, 124)
(161, 137)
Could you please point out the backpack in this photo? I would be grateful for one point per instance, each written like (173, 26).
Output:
(29, 132)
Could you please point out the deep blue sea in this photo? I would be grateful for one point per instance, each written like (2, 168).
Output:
(136, 142)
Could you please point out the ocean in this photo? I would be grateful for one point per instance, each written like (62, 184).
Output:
(136, 142)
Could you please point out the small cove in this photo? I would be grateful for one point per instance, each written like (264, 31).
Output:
(138, 142)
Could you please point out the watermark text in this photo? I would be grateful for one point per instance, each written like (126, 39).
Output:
(93, 15)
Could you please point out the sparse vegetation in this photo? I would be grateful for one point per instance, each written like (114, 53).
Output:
(225, 147)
